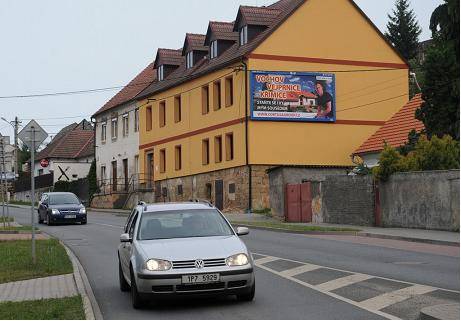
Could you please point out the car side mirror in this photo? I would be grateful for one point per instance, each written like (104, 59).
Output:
(242, 231)
(125, 238)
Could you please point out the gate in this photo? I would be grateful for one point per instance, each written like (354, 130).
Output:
(219, 197)
(298, 203)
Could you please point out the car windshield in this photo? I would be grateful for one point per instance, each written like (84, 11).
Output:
(182, 224)
(64, 199)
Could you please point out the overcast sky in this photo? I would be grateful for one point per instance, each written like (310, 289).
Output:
(67, 45)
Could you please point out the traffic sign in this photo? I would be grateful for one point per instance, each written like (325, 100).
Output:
(44, 163)
(32, 129)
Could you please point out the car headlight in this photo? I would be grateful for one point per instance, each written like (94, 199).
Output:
(55, 211)
(158, 265)
(82, 211)
(237, 260)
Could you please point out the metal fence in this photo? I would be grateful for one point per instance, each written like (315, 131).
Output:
(137, 182)
(23, 183)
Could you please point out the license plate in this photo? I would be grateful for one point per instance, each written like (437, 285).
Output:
(70, 216)
(200, 278)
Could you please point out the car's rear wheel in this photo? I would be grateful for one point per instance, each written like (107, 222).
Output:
(136, 299)
(40, 220)
(124, 286)
(248, 296)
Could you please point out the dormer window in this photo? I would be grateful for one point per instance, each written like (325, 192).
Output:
(214, 49)
(160, 73)
(190, 60)
(243, 35)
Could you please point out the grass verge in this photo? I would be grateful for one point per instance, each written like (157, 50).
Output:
(70, 308)
(24, 228)
(295, 227)
(5, 219)
(16, 261)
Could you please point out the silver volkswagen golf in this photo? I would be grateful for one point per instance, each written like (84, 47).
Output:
(183, 248)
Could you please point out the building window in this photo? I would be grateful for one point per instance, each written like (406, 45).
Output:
(218, 149)
(160, 73)
(177, 158)
(103, 131)
(232, 188)
(177, 109)
(125, 120)
(214, 49)
(136, 164)
(136, 119)
(149, 118)
(162, 114)
(103, 175)
(190, 60)
(208, 190)
(205, 152)
(243, 35)
(40, 172)
(179, 189)
(205, 100)
(229, 91)
(114, 128)
(162, 161)
(217, 95)
(229, 146)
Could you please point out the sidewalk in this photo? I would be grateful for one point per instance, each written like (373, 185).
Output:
(404, 234)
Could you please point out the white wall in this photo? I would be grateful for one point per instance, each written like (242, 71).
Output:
(124, 147)
(74, 168)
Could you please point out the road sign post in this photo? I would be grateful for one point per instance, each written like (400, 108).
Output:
(32, 135)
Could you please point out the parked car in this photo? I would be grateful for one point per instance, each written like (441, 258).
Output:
(183, 248)
(61, 208)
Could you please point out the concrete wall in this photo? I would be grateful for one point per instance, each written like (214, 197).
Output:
(280, 176)
(27, 195)
(427, 200)
(343, 199)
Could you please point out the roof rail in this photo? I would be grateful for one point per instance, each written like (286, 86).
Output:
(206, 202)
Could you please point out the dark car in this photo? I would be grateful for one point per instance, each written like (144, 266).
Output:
(61, 208)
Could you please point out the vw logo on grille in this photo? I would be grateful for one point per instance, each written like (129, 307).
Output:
(199, 264)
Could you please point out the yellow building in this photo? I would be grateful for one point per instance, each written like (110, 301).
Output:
(250, 95)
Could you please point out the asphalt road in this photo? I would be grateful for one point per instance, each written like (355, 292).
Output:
(298, 276)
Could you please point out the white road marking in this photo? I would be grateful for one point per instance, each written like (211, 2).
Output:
(109, 225)
(344, 281)
(299, 270)
(266, 259)
(384, 300)
(373, 305)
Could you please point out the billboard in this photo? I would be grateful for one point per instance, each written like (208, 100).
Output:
(292, 96)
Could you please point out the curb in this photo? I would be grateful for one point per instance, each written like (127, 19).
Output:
(90, 305)
(108, 211)
(408, 239)
(281, 230)
(440, 312)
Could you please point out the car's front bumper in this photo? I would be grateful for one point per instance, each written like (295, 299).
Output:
(231, 282)
(56, 219)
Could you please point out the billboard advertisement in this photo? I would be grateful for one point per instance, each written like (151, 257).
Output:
(292, 96)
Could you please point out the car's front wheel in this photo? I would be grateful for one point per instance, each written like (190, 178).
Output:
(124, 286)
(136, 299)
(48, 220)
(40, 220)
(248, 296)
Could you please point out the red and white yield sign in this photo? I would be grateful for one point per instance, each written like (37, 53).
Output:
(44, 163)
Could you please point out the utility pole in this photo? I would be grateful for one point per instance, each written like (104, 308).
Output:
(32, 185)
(2, 172)
(16, 147)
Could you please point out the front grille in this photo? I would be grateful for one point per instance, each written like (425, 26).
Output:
(68, 212)
(199, 287)
(162, 288)
(236, 284)
(191, 263)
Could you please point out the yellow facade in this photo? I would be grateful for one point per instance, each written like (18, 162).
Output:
(367, 93)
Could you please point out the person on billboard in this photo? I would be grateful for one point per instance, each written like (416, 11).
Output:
(324, 101)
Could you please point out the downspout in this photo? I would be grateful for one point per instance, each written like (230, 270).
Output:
(245, 66)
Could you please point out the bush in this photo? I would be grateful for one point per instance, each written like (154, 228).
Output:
(434, 154)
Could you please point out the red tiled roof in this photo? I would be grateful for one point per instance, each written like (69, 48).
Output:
(220, 30)
(134, 87)
(256, 16)
(72, 144)
(395, 131)
(168, 57)
(194, 42)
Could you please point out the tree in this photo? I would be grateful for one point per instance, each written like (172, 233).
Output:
(440, 91)
(23, 156)
(403, 30)
(92, 181)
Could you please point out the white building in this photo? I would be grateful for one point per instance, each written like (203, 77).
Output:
(69, 155)
(117, 136)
